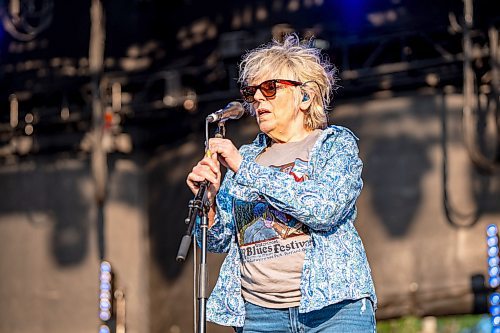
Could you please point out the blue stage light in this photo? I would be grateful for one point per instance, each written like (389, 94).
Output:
(104, 329)
(105, 291)
(106, 276)
(351, 13)
(493, 272)
(493, 261)
(105, 294)
(494, 281)
(492, 240)
(104, 315)
(105, 304)
(495, 310)
(495, 299)
(492, 251)
(492, 230)
(105, 286)
(105, 267)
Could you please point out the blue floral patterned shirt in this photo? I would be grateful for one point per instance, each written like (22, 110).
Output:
(335, 266)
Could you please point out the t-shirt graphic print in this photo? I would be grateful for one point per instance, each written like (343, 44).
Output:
(265, 232)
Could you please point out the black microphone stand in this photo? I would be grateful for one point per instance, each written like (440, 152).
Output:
(199, 206)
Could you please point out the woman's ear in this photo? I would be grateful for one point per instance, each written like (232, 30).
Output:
(306, 101)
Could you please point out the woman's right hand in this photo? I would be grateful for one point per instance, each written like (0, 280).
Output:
(208, 168)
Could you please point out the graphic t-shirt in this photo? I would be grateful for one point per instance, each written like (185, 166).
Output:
(273, 243)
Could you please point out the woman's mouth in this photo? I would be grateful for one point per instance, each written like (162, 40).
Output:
(261, 112)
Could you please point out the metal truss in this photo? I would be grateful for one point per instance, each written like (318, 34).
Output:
(383, 59)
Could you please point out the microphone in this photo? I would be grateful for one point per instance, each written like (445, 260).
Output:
(233, 110)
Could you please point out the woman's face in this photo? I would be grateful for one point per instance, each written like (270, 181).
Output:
(279, 116)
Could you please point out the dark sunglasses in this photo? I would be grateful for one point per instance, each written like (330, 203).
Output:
(268, 89)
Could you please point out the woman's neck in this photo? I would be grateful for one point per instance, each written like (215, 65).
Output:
(291, 136)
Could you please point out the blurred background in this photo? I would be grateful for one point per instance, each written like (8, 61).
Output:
(102, 109)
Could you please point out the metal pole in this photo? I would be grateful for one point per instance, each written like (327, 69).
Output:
(467, 66)
(203, 276)
(96, 65)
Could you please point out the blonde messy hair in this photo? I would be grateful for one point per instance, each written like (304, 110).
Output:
(305, 63)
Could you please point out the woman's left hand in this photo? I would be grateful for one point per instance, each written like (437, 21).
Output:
(226, 152)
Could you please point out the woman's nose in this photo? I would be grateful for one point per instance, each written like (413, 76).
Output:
(259, 96)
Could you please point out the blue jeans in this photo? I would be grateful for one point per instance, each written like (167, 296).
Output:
(345, 317)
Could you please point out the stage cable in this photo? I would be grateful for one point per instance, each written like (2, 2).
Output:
(453, 216)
